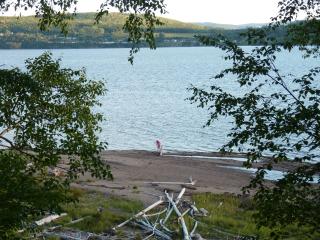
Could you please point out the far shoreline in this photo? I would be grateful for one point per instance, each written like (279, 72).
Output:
(128, 47)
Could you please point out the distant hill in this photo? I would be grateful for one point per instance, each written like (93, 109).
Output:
(229, 26)
(83, 33)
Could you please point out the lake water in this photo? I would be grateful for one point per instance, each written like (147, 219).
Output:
(146, 101)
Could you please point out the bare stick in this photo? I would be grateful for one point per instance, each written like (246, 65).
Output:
(150, 228)
(181, 219)
(194, 228)
(174, 183)
(155, 214)
(177, 201)
(139, 214)
(49, 219)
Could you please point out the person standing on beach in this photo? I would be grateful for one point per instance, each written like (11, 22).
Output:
(159, 147)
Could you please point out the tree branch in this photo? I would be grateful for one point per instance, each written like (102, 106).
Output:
(7, 140)
(5, 131)
(282, 83)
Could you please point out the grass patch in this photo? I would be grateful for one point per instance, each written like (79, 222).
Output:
(100, 211)
(231, 216)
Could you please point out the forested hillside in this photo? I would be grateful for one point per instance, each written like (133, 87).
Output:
(83, 33)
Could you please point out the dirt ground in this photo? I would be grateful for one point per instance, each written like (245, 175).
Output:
(134, 171)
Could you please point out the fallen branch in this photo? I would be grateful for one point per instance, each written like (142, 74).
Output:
(139, 214)
(104, 186)
(157, 227)
(181, 219)
(49, 219)
(191, 182)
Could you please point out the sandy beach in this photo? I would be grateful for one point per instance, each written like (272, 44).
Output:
(134, 171)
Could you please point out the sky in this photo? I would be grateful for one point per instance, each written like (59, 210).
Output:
(216, 11)
(222, 11)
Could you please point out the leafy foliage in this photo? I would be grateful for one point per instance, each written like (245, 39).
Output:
(140, 21)
(276, 114)
(46, 116)
(306, 33)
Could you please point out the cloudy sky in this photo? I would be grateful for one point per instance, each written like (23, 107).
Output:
(217, 11)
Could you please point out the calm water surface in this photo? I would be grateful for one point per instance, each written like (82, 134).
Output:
(146, 101)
